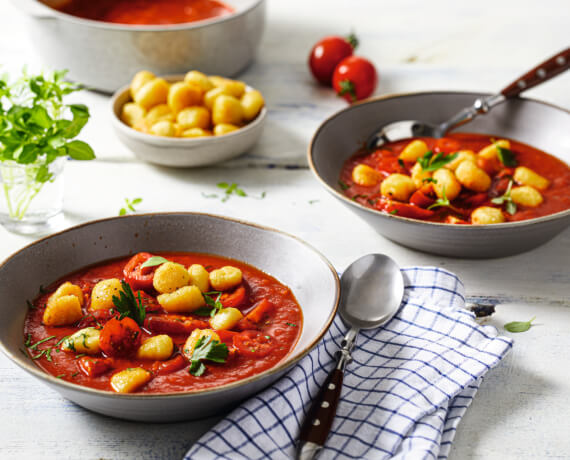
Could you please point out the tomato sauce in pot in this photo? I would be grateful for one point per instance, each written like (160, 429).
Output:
(257, 343)
(145, 12)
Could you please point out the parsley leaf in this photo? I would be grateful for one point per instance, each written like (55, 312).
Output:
(207, 349)
(510, 205)
(130, 206)
(129, 306)
(343, 185)
(215, 305)
(519, 326)
(429, 162)
(506, 156)
(154, 261)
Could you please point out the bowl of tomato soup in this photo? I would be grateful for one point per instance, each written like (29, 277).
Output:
(164, 317)
(498, 186)
(104, 43)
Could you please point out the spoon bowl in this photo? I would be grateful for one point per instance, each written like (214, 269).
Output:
(372, 288)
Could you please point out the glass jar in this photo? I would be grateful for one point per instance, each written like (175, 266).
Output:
(31, 199)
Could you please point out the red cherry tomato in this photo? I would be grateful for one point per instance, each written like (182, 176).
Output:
(326, 55)
(137, 277)
(120, 338)
(355, 78)
(254, 344)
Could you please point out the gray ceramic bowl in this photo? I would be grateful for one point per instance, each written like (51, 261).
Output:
(183, 152)
(105, 56)
(536, 123)
(311, 278)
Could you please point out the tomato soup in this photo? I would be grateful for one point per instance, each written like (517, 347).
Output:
(460, 179)
(145, 12)
(197, 321)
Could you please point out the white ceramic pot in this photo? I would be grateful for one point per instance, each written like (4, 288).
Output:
(105, 56)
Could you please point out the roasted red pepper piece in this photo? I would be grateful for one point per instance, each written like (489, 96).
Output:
(170, 366)
(406, 210)
(137, 277)
(173, 325)
(94, 367)
(420, 199)
(235, 299)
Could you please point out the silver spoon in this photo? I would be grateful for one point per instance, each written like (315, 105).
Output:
(372, 288)
(413, 128)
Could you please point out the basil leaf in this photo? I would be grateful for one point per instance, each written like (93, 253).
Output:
(511, 207)
(154, 261)
(506, 156)
(79, 150)
(519, 326)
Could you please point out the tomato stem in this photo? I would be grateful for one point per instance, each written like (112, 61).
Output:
(352, 40)
(347, 87)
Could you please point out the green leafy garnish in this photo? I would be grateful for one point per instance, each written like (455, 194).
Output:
(154, 261)
(506, 156)
(291, 324)
(343, 185)
(130, 206)
(394, 211)
(36, 128)
(510, 205)
(401, 163)
(441, 202)
(207, 349)
(355, 197)
(129, 306)
(429, 162)
(519, 326)
(232, 189)
(39, 342)
(31, 306)
(427, 180)
(213, 306)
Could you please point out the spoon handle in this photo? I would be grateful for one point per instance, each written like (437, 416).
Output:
(541, 73)
(319, 419)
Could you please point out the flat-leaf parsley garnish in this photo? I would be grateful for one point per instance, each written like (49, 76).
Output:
(429, 162)
(519, 326)
(506, 156)
(129, 306)
(213, 306)
(510, 205)
(207, 349)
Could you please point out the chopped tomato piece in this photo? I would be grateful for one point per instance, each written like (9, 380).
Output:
(234, 299)
(405, 210)
(173, 325)
(226, 337)
(254, 344)
(150, 303)
(476, 200)
(120, 338)
(137, 277)
(94, 367)
(446, 145)
(170, 366)
(420, 199)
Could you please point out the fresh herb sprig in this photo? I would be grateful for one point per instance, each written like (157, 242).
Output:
(207, 349)
(429, 162)
(506, 156)
(506, 199)
(130, 206)
(154, 261)
(519, 326)
(213, 306)
(128, 305)
(230, 190)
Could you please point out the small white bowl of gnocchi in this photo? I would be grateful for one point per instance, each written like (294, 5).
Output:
(187, 120)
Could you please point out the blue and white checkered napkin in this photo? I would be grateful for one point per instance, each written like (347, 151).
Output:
(403, 396)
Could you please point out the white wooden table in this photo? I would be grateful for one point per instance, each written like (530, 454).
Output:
(522, 410)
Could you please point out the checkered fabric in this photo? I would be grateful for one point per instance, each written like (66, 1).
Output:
(404, 393)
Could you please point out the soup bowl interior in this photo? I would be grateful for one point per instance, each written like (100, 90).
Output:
(532, 122)
(312, 279)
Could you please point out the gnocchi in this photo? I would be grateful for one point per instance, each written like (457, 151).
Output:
(414, 150)
(85, 340)
(527, 176)
(198, 106)
(446, 183)
(472, 177)
(158, 347)
(103, 292)
(226, 318)
(184, 300)
(169, 277)
(130, 379)
(225, 278)
(199, 277)
(192, 340)
(398, 187)
(486, 215)
(526, 196)
(365, 175)
(62, 311)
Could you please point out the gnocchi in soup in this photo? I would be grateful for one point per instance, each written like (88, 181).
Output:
(459, 179)
(198, 106)
(159, 323)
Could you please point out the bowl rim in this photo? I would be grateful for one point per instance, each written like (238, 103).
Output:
(177, 142)
(286, 362)
(53, 13)
(461, 228)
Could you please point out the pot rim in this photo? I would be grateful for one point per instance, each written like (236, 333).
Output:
(52, 13)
